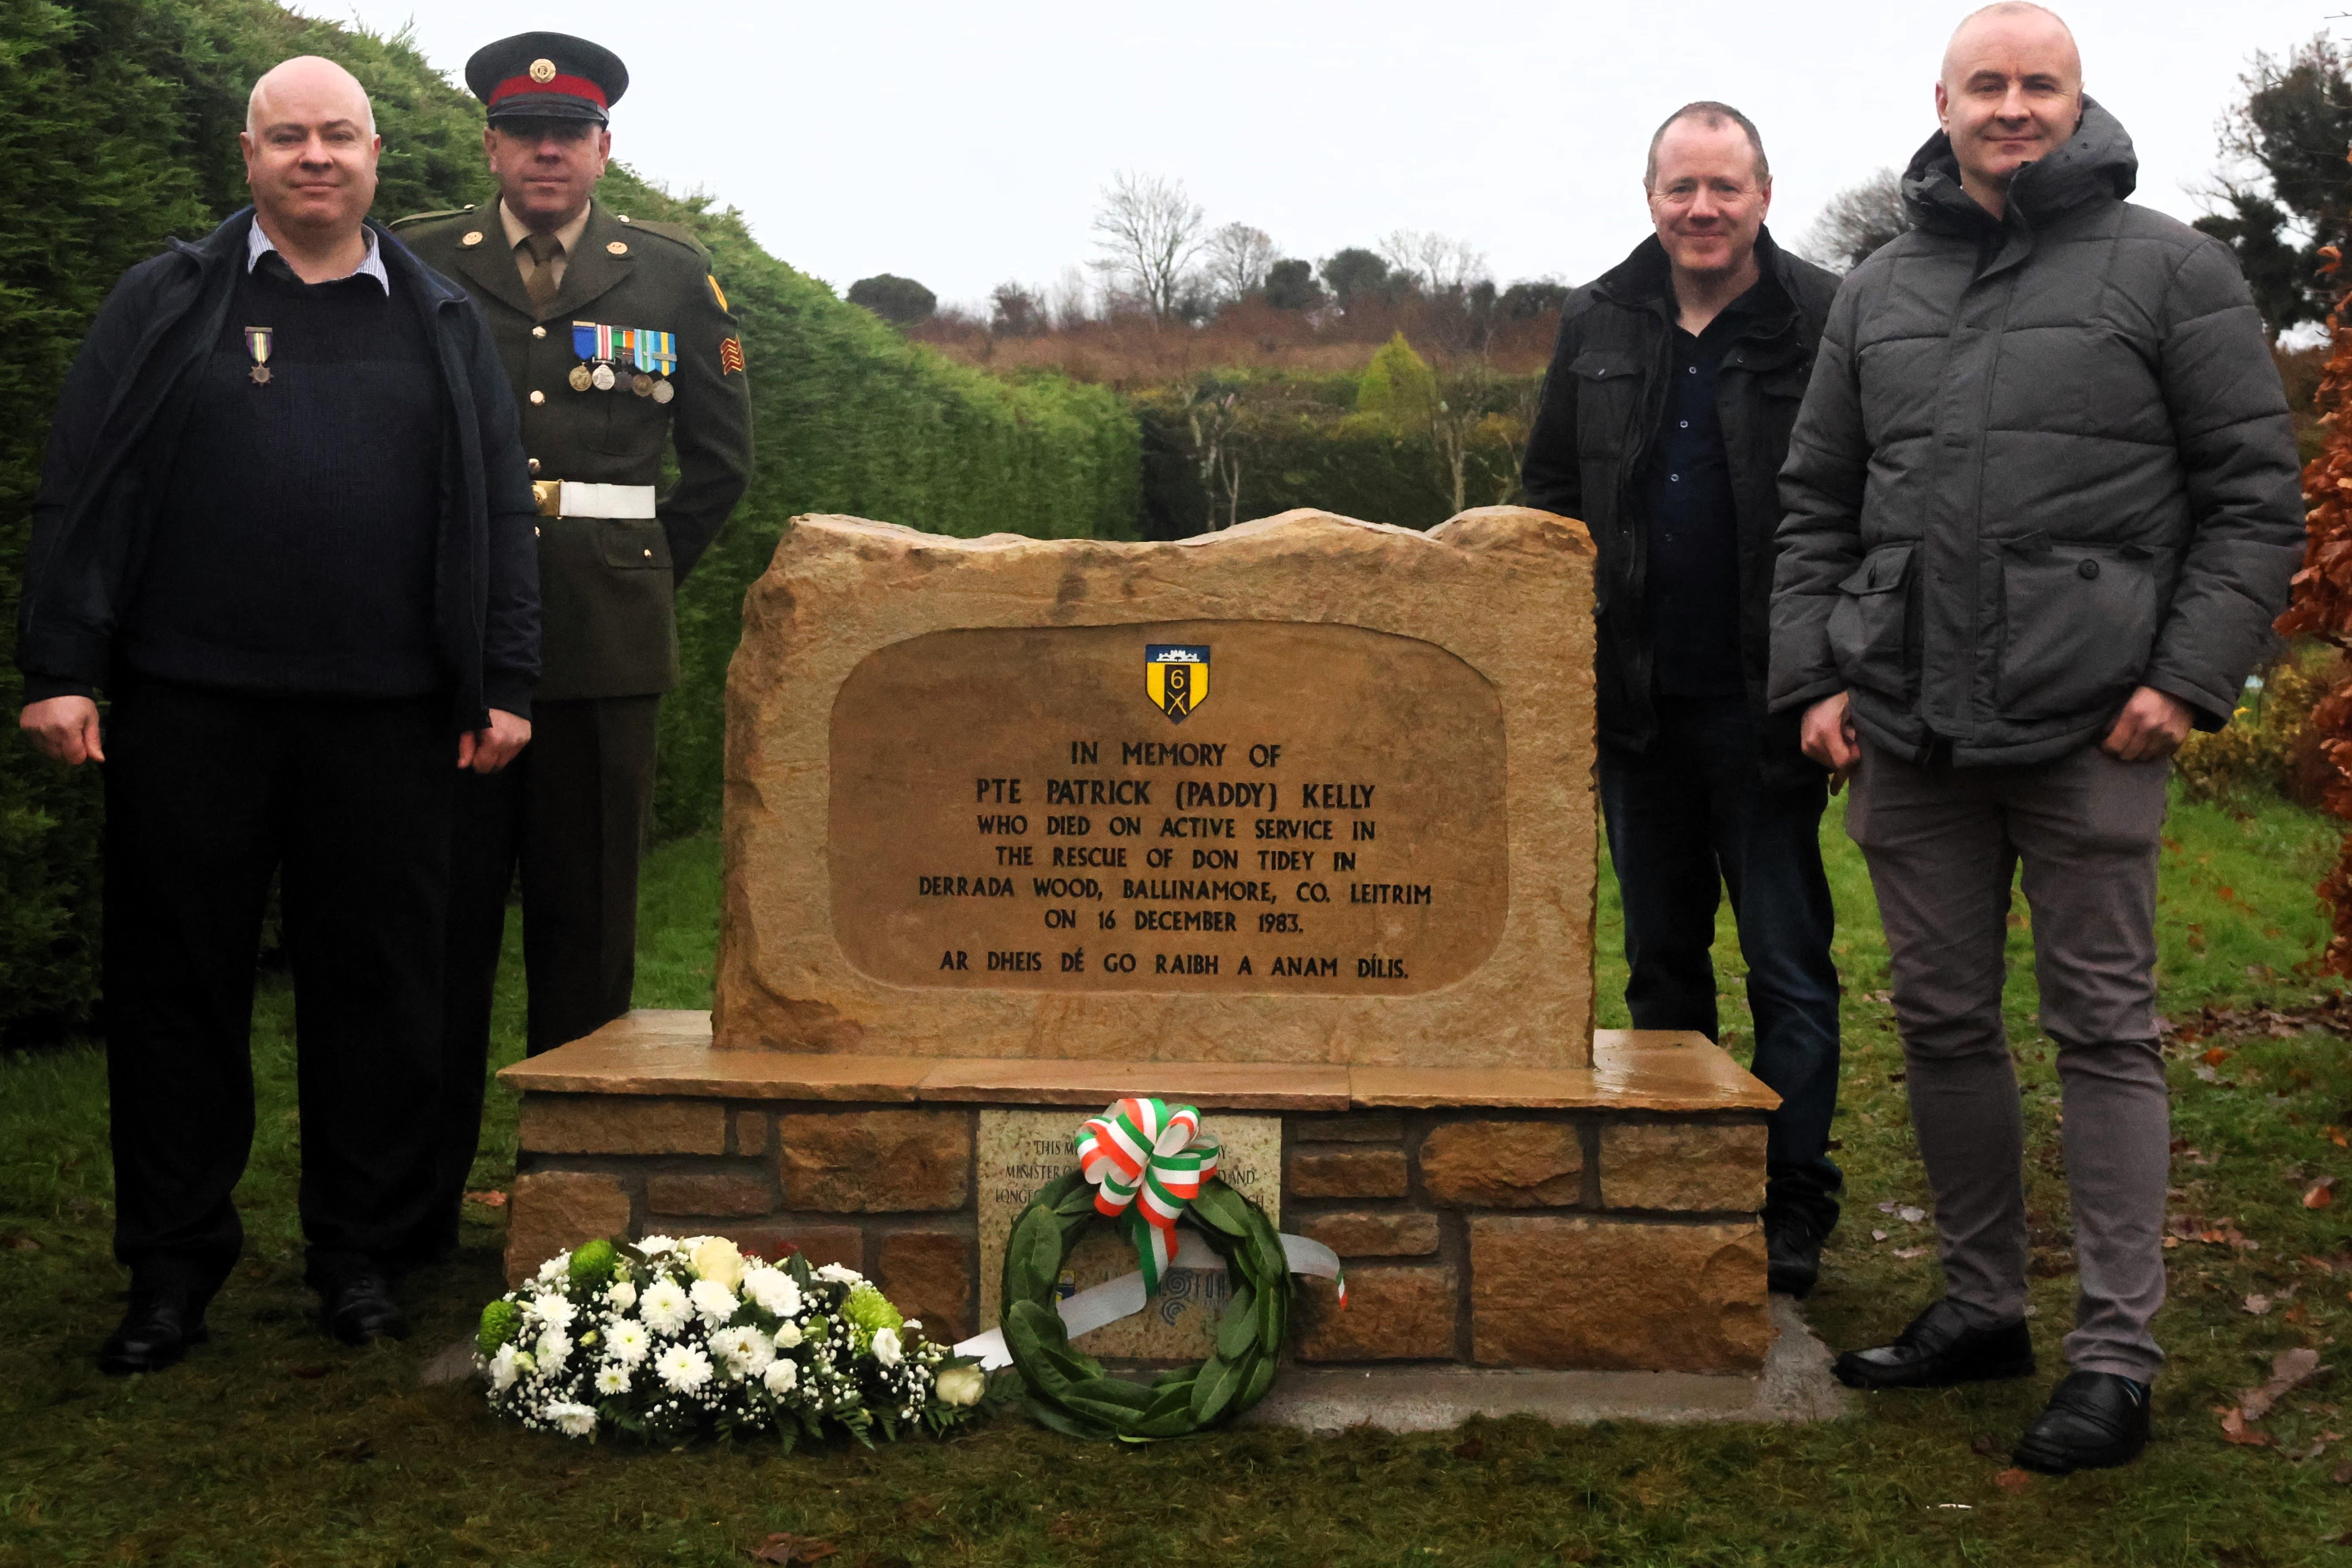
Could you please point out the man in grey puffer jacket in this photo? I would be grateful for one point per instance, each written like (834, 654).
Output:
(2043, 504)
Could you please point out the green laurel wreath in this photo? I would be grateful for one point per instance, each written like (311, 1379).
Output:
(1072, 1394)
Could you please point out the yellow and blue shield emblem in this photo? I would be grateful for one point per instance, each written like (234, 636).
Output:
(1177, 676)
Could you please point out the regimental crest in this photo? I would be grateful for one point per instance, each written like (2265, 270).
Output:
(1177, 676)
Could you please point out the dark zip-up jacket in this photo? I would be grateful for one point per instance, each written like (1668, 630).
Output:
(1590, 446)
(115, 434)
(2045, 460)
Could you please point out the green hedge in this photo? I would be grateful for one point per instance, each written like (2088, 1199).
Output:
(117, 129)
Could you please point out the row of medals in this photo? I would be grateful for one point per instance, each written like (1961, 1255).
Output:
(603, 379)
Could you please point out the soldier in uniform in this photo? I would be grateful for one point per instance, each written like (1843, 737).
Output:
(616, 338)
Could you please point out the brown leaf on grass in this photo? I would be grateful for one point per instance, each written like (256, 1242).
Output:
(2320, 1193)
(18, 1244)
(2216, 1056)
(2342, 1476)
(2235, 1430)
(1987, 1448)
(2290, 1370)
(2256, 1303)
(492, 1199)
(2337, 1136)
(2013, 1480)
(1470, 1449)
(782, 1547)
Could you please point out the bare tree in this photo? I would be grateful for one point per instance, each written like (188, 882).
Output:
(1238, 259)
(1441, 264)
(1015, 310)
(1149, 231)
(1072, 301)
(1857, 221)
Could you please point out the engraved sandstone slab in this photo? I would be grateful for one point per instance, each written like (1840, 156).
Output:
(1308, 790)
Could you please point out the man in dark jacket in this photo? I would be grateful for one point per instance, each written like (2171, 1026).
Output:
(2043, 505)
(284, 525)
(1664, 421)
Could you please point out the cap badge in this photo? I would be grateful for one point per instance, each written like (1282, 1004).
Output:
(543, 70)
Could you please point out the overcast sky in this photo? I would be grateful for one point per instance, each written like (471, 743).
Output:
(966, 144)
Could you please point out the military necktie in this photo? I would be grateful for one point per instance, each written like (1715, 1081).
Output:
(545, 251)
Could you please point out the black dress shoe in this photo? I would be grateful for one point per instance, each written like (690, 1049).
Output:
(1938, 1349)
(362, 1308)
(2095, 1420)
(1792, 1251)
(156, 1331)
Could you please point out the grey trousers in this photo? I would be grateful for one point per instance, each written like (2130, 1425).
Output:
(1943, 845)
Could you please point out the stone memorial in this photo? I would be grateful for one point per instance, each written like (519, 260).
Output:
(1293, 822)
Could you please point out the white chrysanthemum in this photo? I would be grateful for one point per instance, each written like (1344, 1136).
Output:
(787, 1335)
(612, 1378)
(782, 1376)
(774, 1291)
(553, 1309)
(628, 1344)
(746, 1350)
(573, 1420)
(886, 1349)
(714, 1300)
(554, 1269)
(504, 1368)
(654, 1245)
(554, 1350)
(665, 1307)
(683, 1367)
(622, 1295)
(840, 1275)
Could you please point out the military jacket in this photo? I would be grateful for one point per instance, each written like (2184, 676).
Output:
(608, 585)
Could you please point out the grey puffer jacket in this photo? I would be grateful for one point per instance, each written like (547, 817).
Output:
(2040, 463)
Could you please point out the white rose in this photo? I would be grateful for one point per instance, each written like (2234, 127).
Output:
(573, 1420)
(774, 1291)
(504, 1368)
(782, 1376)
(665, 1307)
(787, 1335)
(962, 1385)
(714, 1300)
(716, 1258)
(623, 1295)
(886, 1349)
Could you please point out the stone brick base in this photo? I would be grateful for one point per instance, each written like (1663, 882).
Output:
(1602, 1217)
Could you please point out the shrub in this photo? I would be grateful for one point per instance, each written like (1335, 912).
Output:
(2270, 746)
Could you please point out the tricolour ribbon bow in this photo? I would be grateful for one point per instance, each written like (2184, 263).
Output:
(1148, 1160)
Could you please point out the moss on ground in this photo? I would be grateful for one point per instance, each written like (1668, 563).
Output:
(274, 1446)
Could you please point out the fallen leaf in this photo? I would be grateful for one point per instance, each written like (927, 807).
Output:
(780, 1548)
(1986, 1447)
(2342, 1476)
(2013, 1480)
(1471, 1449)
(1889, 1207)
(2256, 1303)
(2205, 1073)
(1910, 1214)
(2216, 1057)
(2320, 1193)
(2337, 1136)
(1910, 1252)
(1878, 1235)
(2290, 1370)
(490, 1200)
(2235, 1430)
(18, 1244)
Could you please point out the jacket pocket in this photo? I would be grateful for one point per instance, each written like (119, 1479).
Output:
(2078, 624)
(633, 543)
(1606, 391)
(1870, 624)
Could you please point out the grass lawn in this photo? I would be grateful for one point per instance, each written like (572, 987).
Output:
(274, 1446)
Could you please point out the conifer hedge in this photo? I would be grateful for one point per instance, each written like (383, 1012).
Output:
(117, 129)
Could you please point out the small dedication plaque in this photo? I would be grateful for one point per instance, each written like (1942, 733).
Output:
(1221, 806)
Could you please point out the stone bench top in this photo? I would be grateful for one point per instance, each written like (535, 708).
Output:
(663, 1052)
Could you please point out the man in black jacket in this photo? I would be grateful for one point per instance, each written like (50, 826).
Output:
(1664, 421)
(284, 524)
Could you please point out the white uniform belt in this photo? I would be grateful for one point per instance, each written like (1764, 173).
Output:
(572, 498)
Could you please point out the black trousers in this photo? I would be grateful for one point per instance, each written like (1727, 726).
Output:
(571, 813)
(208, 795)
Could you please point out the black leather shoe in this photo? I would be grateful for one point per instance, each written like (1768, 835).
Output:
(362, 1308)
(2095, 1420)
(1792, 1250)
(1939, 1349)
(156, 1331)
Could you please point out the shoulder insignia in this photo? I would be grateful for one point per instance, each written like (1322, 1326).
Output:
(716, 292)
(731, 356)
(413, 218)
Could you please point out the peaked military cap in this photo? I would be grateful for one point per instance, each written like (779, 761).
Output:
(547, 76)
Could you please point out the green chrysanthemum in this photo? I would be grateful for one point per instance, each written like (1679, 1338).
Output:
(592, 1265)
(870, 1310)
(501, 1320)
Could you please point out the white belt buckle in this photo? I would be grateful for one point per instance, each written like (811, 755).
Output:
(605, 500)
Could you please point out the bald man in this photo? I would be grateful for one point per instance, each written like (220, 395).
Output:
(284, 528)
(2042, 503)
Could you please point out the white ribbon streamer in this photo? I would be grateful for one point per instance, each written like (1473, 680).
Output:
(1107, 1302)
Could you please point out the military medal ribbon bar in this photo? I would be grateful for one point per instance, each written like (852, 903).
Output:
(257, 343)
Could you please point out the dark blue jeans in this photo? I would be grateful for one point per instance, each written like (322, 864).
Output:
(1686, 820)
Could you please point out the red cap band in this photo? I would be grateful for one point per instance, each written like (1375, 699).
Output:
(569, 86)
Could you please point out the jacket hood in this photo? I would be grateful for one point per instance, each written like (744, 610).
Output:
(1646, 276)
(2096, 164)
